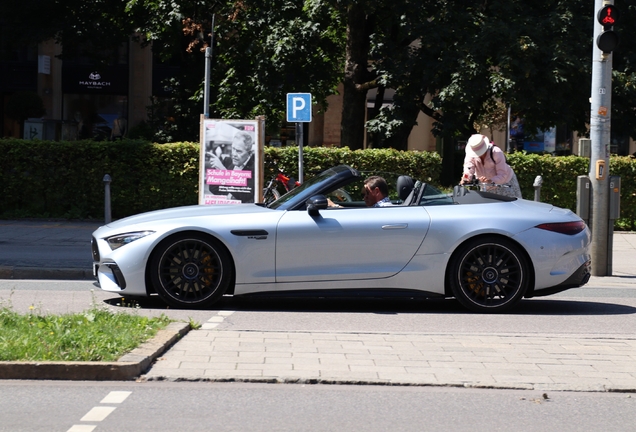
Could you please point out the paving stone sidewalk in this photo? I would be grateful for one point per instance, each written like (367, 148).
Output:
(538, 362)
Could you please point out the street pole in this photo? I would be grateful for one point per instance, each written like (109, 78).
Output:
(206, 80)
(508, 146)
(600, 122)
(299, 140)
(206, 83)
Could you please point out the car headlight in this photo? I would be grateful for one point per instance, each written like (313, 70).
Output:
(119, 240)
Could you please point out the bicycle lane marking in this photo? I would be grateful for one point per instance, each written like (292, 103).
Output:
(216, 320)
(99, 413)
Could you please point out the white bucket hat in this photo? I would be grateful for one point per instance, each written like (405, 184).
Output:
(478, 144)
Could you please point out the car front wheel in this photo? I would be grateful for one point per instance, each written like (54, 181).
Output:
(489, 275)
(190, 270)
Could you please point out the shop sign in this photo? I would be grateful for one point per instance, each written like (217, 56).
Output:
(94, 81)
(81, 80)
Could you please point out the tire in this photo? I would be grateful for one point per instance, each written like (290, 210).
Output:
(270, 195)
(489, 275)
(190, 270)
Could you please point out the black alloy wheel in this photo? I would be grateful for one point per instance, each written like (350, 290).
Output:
(489, 275)
(190, 270)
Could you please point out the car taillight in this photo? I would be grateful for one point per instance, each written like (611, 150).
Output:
(568, 228)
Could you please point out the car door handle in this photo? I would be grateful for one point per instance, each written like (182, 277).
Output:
(395, 226)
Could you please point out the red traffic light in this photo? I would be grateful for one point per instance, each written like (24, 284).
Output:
(608, 16)
(608, 40)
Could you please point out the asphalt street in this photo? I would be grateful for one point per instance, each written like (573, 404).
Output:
(218, 351)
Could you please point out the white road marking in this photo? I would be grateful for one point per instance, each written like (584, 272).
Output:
(208, 326)
(116, 397)
(98, 413)
(216, 320)
(225, 313)
(82, 428)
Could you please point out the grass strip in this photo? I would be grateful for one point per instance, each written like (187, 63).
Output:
(97, 334)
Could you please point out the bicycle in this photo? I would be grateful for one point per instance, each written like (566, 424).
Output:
(271, 193)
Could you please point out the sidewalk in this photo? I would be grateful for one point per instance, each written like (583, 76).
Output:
(56, 250)
(530, 362)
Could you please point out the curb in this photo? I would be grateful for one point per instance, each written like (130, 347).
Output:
(128, 367)
(584, 388)
(10, 272)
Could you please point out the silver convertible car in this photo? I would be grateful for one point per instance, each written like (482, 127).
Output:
(485, 250)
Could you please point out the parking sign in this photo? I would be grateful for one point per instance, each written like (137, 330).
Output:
(299, 107)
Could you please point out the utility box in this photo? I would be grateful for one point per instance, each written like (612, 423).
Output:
(583, 197)
(614, 197)
(585, 147)
(34, 129)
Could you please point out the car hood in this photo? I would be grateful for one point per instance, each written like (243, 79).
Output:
(188, 212)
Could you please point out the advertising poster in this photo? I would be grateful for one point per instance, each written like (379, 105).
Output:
(231, 160)
(543, 141)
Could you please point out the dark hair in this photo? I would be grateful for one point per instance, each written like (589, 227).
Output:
(377, 182)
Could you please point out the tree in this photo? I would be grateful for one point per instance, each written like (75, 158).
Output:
(260, 52)
(89, 29)
(458, 61)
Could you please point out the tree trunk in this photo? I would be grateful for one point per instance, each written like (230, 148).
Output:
(400, 138)
(354, 101)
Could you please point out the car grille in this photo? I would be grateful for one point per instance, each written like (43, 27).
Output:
(94, 249)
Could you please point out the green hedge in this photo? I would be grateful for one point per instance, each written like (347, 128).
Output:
(420, 165)
(65, 179)
(46, 179)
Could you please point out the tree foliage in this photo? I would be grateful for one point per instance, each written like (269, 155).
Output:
(460, 62)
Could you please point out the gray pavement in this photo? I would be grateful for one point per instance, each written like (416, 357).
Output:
(579, 362)
(41, 249)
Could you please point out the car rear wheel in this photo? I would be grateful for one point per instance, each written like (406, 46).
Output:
(190, 270)
(489, 275)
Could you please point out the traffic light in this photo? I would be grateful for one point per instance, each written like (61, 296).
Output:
(608, 40)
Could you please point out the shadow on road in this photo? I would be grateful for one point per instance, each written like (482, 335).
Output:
(535, 306)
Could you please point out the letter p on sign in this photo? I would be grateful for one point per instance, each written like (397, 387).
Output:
(299, 107)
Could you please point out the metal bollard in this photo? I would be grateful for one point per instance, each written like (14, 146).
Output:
(538, 181)
(107, 212)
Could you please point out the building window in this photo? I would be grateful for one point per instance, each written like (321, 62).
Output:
(96, 117)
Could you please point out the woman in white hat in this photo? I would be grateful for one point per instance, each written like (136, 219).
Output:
(488, 164)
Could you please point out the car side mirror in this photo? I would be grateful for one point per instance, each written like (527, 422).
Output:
(315, 204)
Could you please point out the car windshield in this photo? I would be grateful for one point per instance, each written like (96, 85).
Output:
(310, 187)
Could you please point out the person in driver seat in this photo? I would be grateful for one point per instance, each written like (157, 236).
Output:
(376, 192)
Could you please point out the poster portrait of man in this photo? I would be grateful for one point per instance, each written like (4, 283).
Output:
(231, 166)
